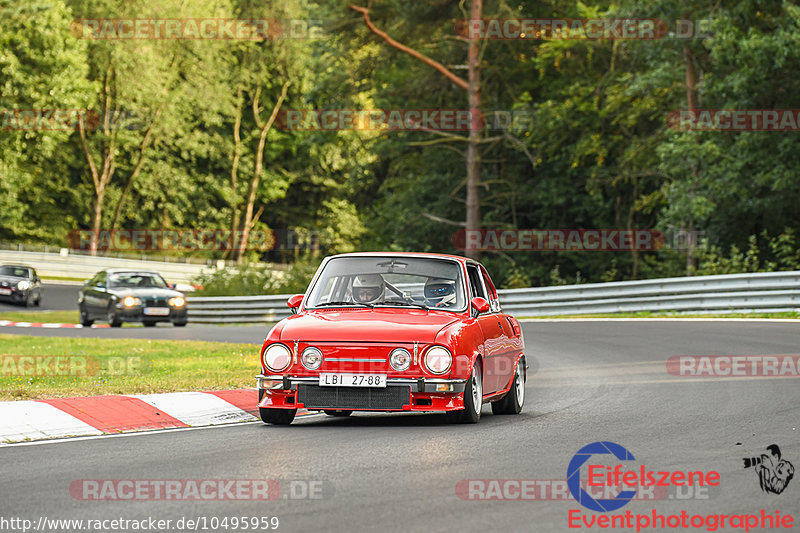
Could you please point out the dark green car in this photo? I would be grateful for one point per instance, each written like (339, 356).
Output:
(120, 295)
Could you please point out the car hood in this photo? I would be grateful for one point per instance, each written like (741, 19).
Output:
(146, 292)
(367, 325)
(11, 280)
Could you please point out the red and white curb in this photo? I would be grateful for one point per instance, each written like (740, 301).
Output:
(99, 415)
(9, 323)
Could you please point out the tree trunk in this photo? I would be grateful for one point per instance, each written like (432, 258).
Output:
(691, 83)
(473, 218)
(247, 223)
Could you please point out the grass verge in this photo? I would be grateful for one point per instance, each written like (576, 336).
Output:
(64, 367)
(62, 317)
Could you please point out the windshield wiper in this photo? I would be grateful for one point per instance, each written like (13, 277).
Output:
(339, 304)
(398, 302)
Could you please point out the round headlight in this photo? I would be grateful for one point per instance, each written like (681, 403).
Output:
(311, 358)
(277, 357)
(438, 360)
(130, 301)
(400, 359)
(24, 285)
(178, 301)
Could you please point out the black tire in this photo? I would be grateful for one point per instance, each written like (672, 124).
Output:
(473, 399)
(28, 300)
(112, 318)
(149, 324)
(179, 324)
(38, 302)
(511, 403)
(337, 412)
(278, 417)
(84, 318)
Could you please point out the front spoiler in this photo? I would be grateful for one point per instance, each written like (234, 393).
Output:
(426, 394)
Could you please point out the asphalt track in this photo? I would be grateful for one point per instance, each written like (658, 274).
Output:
(55, 297)
(589, 381)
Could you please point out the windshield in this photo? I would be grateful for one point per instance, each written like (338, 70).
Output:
(389, 281)
(19, 272)
(136, 279)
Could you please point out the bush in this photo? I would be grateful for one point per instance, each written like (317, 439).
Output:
(251, 279)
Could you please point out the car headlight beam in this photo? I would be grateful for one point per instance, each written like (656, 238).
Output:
(438, 360)
(130, 301)
(400, 359)
(178, 301)
(277, 357)
(24, 285)
(311, 358)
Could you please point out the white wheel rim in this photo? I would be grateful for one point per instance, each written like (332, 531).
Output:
(519, 383)
(477, 390)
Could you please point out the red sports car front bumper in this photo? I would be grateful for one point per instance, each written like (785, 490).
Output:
(400, 394)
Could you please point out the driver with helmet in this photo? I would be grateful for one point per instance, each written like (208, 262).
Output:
(367, 288)
(440, 292)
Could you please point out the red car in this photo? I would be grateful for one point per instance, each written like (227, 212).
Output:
(394, 332)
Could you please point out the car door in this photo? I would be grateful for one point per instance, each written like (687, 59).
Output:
(95, 295)
(511, 345)
(36, 284)
(492, 331)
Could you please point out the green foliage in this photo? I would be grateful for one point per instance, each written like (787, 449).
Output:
(252, 279)
(593, 149)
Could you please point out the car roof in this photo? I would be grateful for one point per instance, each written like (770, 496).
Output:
(14, 265)
(137, 270)
(458, 258)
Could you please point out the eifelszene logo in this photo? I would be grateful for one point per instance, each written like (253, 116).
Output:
(774, 473)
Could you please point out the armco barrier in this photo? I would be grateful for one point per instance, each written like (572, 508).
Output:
(86, 266)
(760, 292)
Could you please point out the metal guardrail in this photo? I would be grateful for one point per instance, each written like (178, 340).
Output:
(760, 292)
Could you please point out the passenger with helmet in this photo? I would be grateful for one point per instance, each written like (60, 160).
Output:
(440, 292)
(367, 288)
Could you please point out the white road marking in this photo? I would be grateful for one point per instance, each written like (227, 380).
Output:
(36, 420)
(196, 408)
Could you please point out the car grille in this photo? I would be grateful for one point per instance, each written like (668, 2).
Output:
(316, 397)
(153, 302)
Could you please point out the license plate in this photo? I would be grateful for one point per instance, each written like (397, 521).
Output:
(5, 292)
(156, 311)
(352, 380)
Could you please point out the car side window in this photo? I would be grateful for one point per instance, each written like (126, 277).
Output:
(494, 301)
(475, 284)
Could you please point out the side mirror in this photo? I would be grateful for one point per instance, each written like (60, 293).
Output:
(101, 285)
(171, 286)
(480, 305)
(295, 301)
